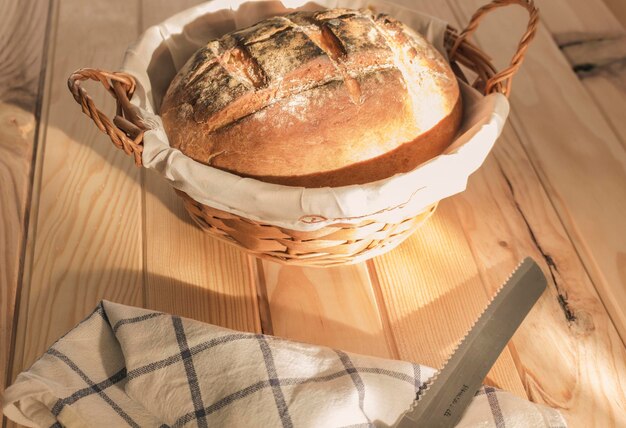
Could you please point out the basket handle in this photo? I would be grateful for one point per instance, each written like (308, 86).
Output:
(125, 130)
(501, 81)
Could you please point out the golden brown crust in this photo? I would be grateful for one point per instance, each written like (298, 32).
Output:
(315, 99)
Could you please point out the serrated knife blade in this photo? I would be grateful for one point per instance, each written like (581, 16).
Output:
(443, 399)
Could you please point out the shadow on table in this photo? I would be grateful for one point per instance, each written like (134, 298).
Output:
(79, 293)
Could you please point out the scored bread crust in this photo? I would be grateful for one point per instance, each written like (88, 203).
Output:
(315, 99)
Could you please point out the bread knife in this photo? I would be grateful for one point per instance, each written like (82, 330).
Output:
(442, 400)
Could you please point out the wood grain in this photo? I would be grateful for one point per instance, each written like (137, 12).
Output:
(335, 307)
(17, 134)
(85, 235)
(433, 293)
(607, 86)
(578, 364)
(188, 272)
(567, 16)
(568, 352)
(21, 58)
(618, 9)
(22, 34)
(594, 42)
(576, 154)
(102, 228)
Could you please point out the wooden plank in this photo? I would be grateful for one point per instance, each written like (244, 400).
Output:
(17, 133)
(22, 43)
(579, 159)
(433, 293)
(569, 16)
(618, 8)
(334, 307)
(155, 11)
(85, 234)
(22, 36)
(594, 42)
(568, 352)
(608, 89)
(578, 364)
(188, 272)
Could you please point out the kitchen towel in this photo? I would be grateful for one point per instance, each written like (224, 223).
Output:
(127, 366)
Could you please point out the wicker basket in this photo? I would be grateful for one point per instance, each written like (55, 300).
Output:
(331, 245)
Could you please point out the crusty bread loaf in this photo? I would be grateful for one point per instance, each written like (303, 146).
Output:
(315, 99)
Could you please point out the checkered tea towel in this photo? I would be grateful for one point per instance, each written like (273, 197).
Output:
(128, 366)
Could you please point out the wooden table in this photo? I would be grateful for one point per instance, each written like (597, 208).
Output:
(80, 223)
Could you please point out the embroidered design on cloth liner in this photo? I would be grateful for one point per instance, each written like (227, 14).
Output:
(126, 366)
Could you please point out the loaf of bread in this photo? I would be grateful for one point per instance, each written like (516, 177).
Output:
(315, 99)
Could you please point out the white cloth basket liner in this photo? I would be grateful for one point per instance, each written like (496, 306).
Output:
(164, 48)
